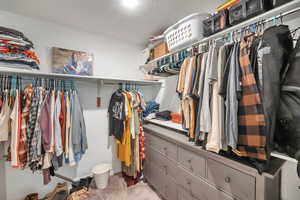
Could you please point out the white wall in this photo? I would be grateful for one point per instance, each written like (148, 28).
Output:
(113, 58)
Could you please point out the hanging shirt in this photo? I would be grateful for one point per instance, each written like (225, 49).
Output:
(79, 138)
(4, 119)
(205, 114)
(15, 131)
(214, 142)
(22, 146)
(232, 96)
(252, 136)
(45, 123)
(71, 150)
(124, 147)
(68, 123)
(35, 147)
(32, 116)
(57, 127)
(62, 120)
(52, 107)
(116, 111)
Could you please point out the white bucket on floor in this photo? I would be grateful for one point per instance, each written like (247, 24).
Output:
(101, 174)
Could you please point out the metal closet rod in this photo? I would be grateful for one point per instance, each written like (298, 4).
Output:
(129, 84)
(234, 28)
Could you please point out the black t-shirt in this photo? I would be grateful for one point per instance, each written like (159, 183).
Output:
(117, 114)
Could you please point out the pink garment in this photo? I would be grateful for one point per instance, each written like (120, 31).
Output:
(45, 123)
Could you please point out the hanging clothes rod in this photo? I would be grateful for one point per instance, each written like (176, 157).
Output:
(129, 84)
(287, 9)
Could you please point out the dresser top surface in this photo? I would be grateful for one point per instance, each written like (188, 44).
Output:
(182, 140)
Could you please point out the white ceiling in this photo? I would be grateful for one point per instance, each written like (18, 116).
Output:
(110, 17)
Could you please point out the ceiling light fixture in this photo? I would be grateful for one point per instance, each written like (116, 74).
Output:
(130, 4)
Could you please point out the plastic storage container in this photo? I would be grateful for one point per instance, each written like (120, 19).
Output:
(101, 174)
(185, 32)
(276, 3)
(246, 9)
(216, 23)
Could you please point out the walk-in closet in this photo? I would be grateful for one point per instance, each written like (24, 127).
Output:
(150, 100)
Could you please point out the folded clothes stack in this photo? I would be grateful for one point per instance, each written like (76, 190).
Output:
(15, 48)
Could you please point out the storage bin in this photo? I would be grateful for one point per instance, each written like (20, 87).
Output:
(276, 3)
(246, 9)
(101, 174)
(237, 13)
(159, 51)
(216, 23)
(256, 7)
(208, 26)
(185, 32)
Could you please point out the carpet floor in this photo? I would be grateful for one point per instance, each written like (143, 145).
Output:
(118, 190)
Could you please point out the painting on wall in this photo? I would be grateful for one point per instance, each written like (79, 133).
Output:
(65, 61)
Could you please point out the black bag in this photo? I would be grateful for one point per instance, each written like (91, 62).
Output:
(216, 23)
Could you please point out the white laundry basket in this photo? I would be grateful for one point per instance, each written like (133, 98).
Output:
(101, 174)
(185, 31)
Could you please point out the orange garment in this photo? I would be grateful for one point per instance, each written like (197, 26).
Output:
(124, 149)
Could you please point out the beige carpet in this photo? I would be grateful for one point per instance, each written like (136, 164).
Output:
(117, 190)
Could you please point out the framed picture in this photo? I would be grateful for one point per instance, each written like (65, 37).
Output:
(66, 61)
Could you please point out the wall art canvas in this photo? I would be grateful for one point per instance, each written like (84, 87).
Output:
(65, 61)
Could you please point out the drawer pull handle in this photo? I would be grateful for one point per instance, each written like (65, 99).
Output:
(190, 161)
(166, 150)
(166, 169)
(227, 179)
(192, 194)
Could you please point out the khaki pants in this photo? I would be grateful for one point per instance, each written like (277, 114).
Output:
(188, 106)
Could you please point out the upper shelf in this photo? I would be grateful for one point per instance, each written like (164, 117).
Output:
(290, 7)
(6, 70)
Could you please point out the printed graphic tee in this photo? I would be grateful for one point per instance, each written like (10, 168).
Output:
(116, 111)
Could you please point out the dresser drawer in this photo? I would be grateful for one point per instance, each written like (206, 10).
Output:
(168, 149)
(167, 166)
(197, 188)
(231, 181)
(148, 138)
(155, 177)
(192, 162)
(184, 195)
(169, 189)
(162, 183)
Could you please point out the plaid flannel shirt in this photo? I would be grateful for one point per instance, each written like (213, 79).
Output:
(252, 136)
(22, 147)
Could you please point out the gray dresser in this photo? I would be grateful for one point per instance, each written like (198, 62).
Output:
(179, 170)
